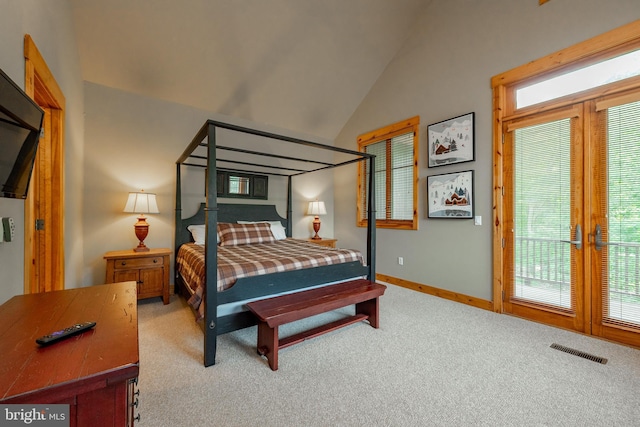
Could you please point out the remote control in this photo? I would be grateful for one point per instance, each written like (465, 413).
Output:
(65, 333)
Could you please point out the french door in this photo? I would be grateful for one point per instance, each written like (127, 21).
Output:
(571, 240)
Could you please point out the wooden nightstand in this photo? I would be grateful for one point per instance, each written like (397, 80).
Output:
(331, 243)
(150, 270)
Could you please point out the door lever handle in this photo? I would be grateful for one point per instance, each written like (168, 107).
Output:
(600, 244)
(598, 238)
(578, 241)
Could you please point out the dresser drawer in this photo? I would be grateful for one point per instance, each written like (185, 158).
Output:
(130, 263)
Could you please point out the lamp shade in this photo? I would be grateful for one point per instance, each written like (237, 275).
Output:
(316, 208)
(141, 203)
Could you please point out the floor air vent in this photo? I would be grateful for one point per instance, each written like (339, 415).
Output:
(579, 353)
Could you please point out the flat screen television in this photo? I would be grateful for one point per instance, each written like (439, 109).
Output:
(20, 123)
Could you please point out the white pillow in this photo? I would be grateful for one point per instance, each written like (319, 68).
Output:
(198, 232)
(278, 231)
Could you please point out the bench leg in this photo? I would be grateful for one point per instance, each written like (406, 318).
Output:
(268, 344)
(371, 308)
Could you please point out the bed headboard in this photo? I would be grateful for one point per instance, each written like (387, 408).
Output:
(230, 212)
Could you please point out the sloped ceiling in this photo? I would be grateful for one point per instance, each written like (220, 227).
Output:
(303, 65)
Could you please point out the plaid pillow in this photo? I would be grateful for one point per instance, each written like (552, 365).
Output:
(244, 234)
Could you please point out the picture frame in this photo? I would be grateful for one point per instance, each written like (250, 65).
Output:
(452, 141)
(451, 195)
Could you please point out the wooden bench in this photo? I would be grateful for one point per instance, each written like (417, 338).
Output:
(276, 311)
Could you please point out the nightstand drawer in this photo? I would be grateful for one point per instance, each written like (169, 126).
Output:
(126, 264)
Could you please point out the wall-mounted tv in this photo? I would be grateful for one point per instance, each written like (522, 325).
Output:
(20, 123)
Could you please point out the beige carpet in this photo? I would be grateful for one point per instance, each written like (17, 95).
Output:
(433, 362)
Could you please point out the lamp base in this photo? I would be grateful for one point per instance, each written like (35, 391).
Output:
(316, 228)
(142, 229)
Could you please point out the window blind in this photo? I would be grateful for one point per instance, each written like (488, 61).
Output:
(394, 177)
(402, 177)
(543, 272)
(621, 260)
(378, 149)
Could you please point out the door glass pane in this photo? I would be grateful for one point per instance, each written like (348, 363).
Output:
(542, 215)
(621, 299)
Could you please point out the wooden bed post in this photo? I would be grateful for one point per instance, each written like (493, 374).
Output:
(371, 223)
(211, 252)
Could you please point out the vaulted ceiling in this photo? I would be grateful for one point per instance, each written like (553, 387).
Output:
(303, 65)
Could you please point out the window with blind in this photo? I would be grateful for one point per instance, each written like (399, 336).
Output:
(396, 172)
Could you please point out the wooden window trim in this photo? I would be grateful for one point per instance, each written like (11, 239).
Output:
(387, 133)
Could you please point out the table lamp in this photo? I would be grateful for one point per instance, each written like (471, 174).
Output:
(316, 208)
(141, 203)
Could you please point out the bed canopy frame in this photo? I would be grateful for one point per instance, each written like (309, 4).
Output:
(206, 140)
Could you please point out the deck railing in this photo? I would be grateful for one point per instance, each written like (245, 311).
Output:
(546, 264)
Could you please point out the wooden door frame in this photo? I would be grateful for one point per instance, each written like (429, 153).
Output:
(503, 86)
(42, 87)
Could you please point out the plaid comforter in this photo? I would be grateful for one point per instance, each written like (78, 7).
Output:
(235, 262)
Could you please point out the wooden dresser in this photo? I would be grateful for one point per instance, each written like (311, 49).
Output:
(95, 372)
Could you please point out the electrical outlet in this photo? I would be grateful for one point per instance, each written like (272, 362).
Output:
(400, 260)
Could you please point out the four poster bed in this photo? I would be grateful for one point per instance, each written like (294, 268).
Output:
(221, 264)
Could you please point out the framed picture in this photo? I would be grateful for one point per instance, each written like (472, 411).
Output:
(452, 141)
(451, 195)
